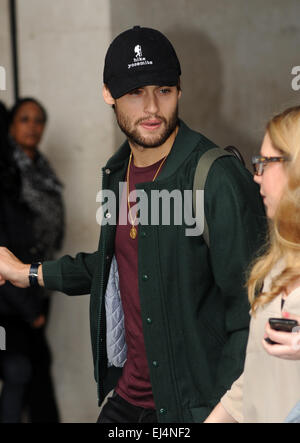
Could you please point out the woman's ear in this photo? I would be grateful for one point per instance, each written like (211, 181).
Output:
(108, 98)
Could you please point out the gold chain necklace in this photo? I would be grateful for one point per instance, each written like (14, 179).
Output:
(133, 230)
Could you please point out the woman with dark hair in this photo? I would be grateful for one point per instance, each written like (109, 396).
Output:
(32, 225)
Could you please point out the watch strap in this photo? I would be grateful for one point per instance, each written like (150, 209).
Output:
(33, 274)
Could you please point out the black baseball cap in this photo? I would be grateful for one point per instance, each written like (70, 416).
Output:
(140, 57)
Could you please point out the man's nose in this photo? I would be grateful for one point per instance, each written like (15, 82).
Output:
(151, 103)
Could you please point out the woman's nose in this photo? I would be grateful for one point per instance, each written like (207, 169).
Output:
(257, 179)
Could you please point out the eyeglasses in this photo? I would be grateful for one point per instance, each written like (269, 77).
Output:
(260, 162)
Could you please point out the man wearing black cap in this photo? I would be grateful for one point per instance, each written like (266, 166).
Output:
(169, 313)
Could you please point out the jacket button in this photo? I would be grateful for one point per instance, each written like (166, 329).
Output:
(145, 277)
(155, 364)
(143, 234)
(162, 411)
(149, 321)
(107, 171)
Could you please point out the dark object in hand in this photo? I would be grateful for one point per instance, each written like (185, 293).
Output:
(281, 324)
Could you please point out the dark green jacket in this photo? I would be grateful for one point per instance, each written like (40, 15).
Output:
(194, 305)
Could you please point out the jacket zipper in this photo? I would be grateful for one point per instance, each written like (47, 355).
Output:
(99, 340)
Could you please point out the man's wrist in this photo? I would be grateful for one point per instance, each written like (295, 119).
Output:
(21, 279)
(40, 276)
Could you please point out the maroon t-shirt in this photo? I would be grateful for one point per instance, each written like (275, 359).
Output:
(134, 385)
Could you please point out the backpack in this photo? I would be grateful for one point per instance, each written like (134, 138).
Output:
(204, 164)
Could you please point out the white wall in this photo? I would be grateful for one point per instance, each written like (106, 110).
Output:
(236, 58)
(6, 96)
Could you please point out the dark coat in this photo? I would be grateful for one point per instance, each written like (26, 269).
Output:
(194, 304)
(16, 233)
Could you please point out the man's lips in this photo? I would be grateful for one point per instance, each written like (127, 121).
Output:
(151, 124)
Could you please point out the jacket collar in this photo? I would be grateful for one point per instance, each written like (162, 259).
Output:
(185, 142)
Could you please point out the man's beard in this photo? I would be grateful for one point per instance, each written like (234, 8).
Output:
(153, 141)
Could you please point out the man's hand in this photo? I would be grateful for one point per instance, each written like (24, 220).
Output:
(288, 346)
(13, 270)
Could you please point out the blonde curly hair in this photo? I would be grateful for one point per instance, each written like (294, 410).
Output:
(284, 229)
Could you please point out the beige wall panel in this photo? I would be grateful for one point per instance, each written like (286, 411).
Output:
(6, 95)
(236, 58)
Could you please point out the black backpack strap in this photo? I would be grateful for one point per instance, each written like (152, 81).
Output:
(204, 164)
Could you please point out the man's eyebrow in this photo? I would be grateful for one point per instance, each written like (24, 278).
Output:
(138, 87)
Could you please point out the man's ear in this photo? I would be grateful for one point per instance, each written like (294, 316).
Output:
(108, 98)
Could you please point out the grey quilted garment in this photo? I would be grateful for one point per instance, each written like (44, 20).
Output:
(115, 330)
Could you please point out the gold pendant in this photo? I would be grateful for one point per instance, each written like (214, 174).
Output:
(133, 233)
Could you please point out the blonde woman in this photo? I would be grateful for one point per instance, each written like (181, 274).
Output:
(270, 387)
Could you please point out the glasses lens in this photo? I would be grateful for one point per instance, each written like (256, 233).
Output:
(258, 168)
(257, 165)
